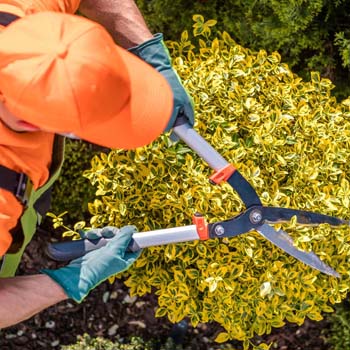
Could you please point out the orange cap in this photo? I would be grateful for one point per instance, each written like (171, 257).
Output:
(26, 7)
(64, 74)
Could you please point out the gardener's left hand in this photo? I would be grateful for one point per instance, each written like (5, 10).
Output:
(87, 272)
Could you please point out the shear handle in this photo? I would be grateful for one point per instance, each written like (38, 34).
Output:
(69, 250)
(197, 143)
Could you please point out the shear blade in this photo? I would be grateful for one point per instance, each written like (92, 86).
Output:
(276, 215)
(282, 240)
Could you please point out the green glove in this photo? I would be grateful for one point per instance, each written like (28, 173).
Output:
(87, 272)
(155, 53)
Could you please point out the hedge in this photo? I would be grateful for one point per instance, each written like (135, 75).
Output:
(290, 139)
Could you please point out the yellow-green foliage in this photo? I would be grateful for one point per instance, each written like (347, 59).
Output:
(290, 139)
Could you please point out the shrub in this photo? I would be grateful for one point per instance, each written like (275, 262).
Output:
(290, 139)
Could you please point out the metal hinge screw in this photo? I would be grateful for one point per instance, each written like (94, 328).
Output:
(219, 230)
(255, 216)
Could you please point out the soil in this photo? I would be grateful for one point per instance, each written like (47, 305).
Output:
(109, 311)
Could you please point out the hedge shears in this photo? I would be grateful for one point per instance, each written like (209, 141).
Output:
(256, 216)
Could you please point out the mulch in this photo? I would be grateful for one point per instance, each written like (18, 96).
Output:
(109, 311)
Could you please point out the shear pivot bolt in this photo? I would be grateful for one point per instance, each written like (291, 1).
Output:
(255, 216)
(219, 230)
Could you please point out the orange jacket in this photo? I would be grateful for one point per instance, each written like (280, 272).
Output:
(29, 153)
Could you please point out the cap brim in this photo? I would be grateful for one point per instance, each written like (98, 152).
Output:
(146, 114)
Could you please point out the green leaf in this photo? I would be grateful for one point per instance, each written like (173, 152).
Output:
(222, 337)
(265, 289)
(198, 18)
(211, 22)
(79, 225)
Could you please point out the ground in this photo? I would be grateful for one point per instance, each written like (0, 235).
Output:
(109, 311)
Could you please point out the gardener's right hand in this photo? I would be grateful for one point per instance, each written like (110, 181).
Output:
(87, 272)
(155, 53)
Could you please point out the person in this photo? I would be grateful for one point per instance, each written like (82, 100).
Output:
(101, 77)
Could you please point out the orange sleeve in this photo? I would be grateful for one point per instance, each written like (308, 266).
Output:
(25, 7)
(10, 212)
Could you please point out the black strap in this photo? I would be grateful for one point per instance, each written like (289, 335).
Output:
(8, 179)
(13, 181)
(7, 18)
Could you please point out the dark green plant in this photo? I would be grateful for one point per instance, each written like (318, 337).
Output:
(338, 336)
(72, 192)
(309, 34)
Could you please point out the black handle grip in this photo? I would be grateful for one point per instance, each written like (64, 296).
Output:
(65, 251)
(69, 250)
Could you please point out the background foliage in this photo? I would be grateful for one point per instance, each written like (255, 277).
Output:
(309, 34)
(289, 138)
(72, 192)
(339, 333)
